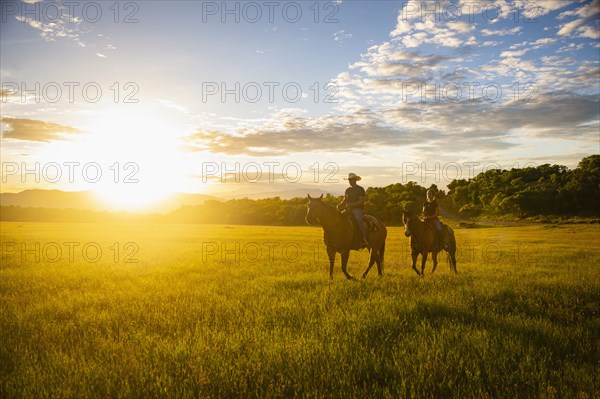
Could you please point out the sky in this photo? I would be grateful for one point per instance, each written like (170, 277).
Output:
(140, 99)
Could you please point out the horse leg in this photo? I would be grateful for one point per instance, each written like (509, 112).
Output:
(424, 259)
(379, 262)
(331, 255)
(345, 257)
(372, 259)
(415, 255)
(434, 256)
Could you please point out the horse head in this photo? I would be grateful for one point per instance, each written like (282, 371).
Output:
(314, 209)
(406, 216)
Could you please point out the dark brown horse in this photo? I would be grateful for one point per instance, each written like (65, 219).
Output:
(339, 235)
(424, 239)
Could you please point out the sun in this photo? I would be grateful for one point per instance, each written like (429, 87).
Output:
(140, 156)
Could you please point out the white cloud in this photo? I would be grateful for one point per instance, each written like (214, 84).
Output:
(539, 8)
(391, 60)
(439, 126)
(585, 14)
(416, 26)
(341, 35)
(516, 53)
(543, 41)
(64, 27)
(501, 32)
(568, 28)
(526, 46)
(587, 10)
(51, 31)
(461, 26)
(571, 47)
(589, 32)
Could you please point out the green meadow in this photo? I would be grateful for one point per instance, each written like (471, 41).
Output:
(198, 311)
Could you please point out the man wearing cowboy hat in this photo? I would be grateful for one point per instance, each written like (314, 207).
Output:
(354, 199)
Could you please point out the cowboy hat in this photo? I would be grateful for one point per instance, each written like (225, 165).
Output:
(352, 176)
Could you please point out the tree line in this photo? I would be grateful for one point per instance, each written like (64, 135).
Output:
(545, 190)
(534, 191)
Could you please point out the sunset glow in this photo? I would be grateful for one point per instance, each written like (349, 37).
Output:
(383, 88)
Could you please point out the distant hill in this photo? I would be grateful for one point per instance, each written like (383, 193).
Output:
(87, 200)
(53, 199)
(183, 199)
(287, 194)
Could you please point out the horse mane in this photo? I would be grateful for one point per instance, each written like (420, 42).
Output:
(328, 206)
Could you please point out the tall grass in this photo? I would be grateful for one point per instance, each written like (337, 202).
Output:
(229, 311)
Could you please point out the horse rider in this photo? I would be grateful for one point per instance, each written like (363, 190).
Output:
(354, 199)
(431, 212)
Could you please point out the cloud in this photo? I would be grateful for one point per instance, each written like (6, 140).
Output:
(390, 59)
(64, 26)
(466, 126)
(67, 27)
(338, 137)
(358, 132)
(554, 115)
(6, 94)
(570, 47)
(532, 10)
(341, 35)
(584, 15)
(383, 76)
(449, 127)
(461, 26)
(36, 130)
(526, 46)
(421, 23)
(451, 34)
(501, 32)
(568, 28)
(589, 32)
(516, 53)
(587, 10)
(491, 43)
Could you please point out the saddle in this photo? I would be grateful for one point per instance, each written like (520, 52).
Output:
(444, 237)
(371, 224)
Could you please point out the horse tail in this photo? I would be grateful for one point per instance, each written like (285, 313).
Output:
(451, 251)
(452, 240)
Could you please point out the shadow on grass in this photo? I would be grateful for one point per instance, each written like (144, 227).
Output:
(556, 336)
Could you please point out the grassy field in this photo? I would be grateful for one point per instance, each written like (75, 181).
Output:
(187, 311)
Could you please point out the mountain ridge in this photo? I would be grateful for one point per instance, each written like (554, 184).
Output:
(89, 200)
